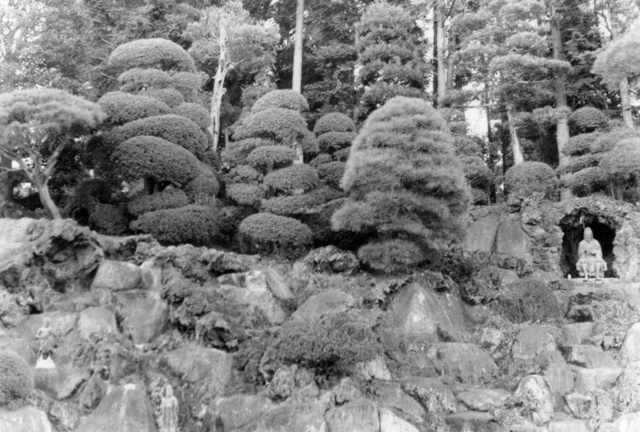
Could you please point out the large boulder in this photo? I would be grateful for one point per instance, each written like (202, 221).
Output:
(60, 383)
(588, 356)
(124, 409)
(512, 240)
(588, 380)
(61, 323)
(389, 422)
(432, 393)
(630, 351)
(326, 302)
(392, 396)
(25, 419)
(96, 320)
(483, 399)
(535, 396)
(481, 235)
(117, 276)
(146, 317)
(464, 362)
(627, 423)
(237, 411)
(196, 364)
(358, 416)
(531, 341)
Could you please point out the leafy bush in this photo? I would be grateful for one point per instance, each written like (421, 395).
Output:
(237, 151)
(579, 145)
(289, 205)
(169, 96)
(331, 345)
(579, 163)
(136, 79)
(331, 173)
(334, 122)
(331, 142)
(479, 196)
(467, 146)
(86, 195)
(321, 159)
(273, 233)
(188, 84)
(286, 127)
(587, 119)
(268, 158)
(528, 177)
(151, 53)
(190, 224)
(168, 199)
(244, 174)
(586, 181)
(286, 99)
(622, 164)
(294, 178)
(391, 256)
(151, 157)
(245, 194)
(173, 128)
(528, 300)
(477, 172)
(342, 155)
(16, 377)
(379, 93)
(404, 182)
(109, 219)
(204, 188)
(194, 112)
(123, 107)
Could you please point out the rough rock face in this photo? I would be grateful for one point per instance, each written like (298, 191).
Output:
(117, 276)
(194, 364)
(26, 419)
(359, 416)
(535, 395)
(493, 234)
(330, 301)
(463, 361)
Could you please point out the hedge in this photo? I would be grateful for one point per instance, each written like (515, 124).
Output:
(151, 53)
(245, 194)
(194, 112)
(269, 230)
(173, 128)
(297, 177)
(147, 156)
(268, 158)
(331, 142)
(16, 377)
(286, 99)
(169, 96)
(190, 224)
(168, 199)
(124, 107)
(334, 122)
(136, 79)
(528, 177)
(332, 173)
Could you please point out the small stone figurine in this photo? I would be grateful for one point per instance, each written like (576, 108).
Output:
(169, 411)
(590, 262)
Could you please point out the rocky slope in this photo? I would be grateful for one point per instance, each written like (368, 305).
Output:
(124, 319)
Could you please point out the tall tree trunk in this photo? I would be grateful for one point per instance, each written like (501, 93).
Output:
(224, 64)
(45, 198)
(434, 60)
(625, 99)
(297, 53)
(450, 62)
(440, 41)
(518, 158)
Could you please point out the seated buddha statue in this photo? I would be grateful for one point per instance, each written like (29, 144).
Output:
(590, 262)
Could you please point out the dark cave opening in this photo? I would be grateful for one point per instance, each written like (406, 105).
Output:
(604, 230)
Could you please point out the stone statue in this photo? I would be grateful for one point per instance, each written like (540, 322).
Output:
(590, 262)
(46, 340)
(168, 411)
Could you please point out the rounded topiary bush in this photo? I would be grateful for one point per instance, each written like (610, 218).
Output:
(16, 377)
(579, 145)
(203, 188)
(342, 155)
(622, 165)
(331, 173)
(477, 172)
(193, 224)
(321, 159)
(272, 233)
(587, 119)
(244, 174)
(586, 181)
(123, 107)
(150, 157)
(188, 84)
(268, 158)
(331, 142)
(289, 205)
(194, 112)
(286, 99)
(294, 178)
(528, 177)
(245, 194)
(237, 151)
(169, 96)
(168, 199)
(151, 53)
(173, 128)
(467, 146)
(334, 122)
(136, 79)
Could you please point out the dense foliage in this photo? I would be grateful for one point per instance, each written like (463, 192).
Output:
(16, 377)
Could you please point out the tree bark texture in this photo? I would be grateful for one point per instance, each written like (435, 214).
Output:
(224, 64)
(440, 41)
(518, 158)
(297, 53)
(625, 100)
(562, 130)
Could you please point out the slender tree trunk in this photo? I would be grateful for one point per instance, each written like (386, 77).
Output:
(625, 99)
(297, 53)
(434, 60)
(45, 198)
(224, 64)
(451, 63)
(440, 41)
(518, 158)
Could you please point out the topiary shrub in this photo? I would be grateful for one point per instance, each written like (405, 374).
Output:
(204, 188)
(168, 199)
(194, 112)
(528, 177)
(321, 159)
(456, 120)
(622, 166)
(285, 99)
(334, 122)
(289, 205)
(407, 188)
(155, 158)
(331, 142)
(528, 300)
(466, 146)
(109, 219)
(579, 145)
(269, 233)
(245, 194)
(331, 345)
(188, 84)
(244, 174)
(587, 119)
(587, 181)
(193, 224)
(342, 155)
(477, 172)
(332, 173)
(268, 158)
(16, 378)
(123, 107)
(151, 53)
(286, 127)
(294, 178)
(169, 96)
(237, 151)
(173, 128)
(136, 79)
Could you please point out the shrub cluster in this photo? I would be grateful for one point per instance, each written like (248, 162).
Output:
(331, 173)
(188, 84)
(194, 112)
(171, 97)
(16, 377)
(321, 159)
(294, 178)
(268, 158)
(245, 194)
(275, 233)
(193, 224)
(203, 188)
(168, 199)
(136, 79)
(331, 142)
(528, 300)
(587, 119)
(124, 107)
(285, 99)
(151, 53)
(109, 219)
(244, 174)
(334, 122)
(528, 177)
